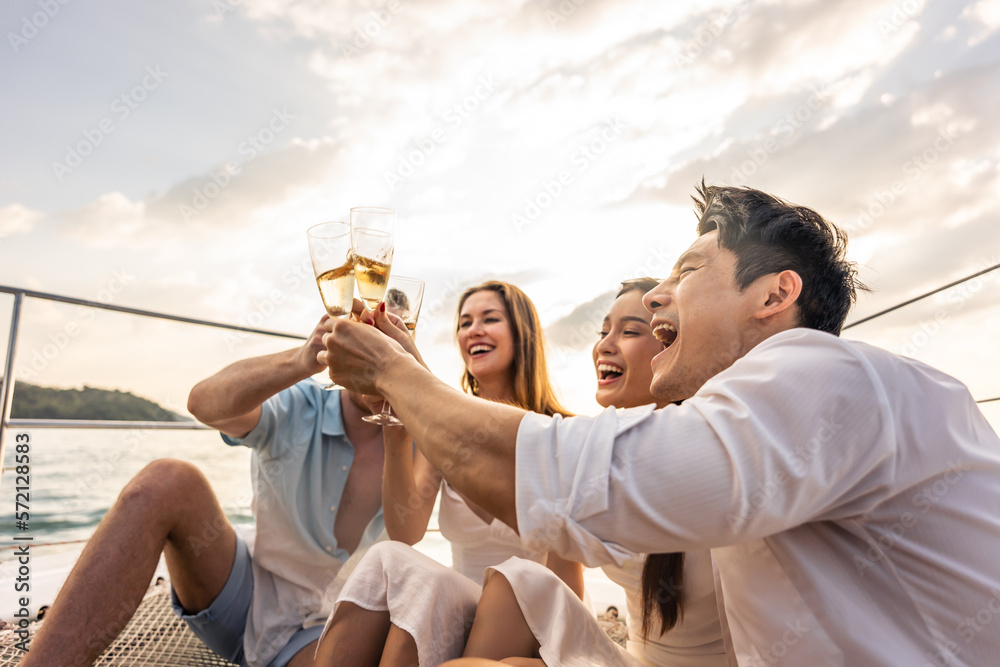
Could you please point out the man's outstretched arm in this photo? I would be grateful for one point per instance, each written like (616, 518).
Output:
(470, 440)
(230, 401)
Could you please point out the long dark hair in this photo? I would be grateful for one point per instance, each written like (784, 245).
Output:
(662, 590)
(662, 574)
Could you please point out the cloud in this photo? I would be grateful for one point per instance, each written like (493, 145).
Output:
(985, 17)
(578, 330)
(16, 219)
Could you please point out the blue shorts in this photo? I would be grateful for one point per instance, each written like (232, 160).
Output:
(221, 625)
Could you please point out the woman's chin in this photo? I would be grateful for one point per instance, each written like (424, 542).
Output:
(606, 396)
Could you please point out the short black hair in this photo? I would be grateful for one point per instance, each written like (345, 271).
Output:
(768, 235)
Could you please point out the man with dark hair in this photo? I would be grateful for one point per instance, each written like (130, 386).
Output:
(851, 498)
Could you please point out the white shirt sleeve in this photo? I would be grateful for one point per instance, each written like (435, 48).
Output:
(792, 432)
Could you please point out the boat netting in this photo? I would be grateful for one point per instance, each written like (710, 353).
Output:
(154, 636)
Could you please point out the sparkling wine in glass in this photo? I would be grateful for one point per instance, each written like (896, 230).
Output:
(403, 297)
(333, 265)
(373, 237)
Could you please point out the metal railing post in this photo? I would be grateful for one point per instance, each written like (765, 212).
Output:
(8, 375)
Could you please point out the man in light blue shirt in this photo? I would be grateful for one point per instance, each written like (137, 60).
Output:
(317, 470)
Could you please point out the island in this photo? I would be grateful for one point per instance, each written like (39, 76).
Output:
(36, 402)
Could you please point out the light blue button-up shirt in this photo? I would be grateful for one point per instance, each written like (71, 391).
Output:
(301, 460)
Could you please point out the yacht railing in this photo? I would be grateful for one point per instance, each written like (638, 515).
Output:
(20, 294)
(7, 382)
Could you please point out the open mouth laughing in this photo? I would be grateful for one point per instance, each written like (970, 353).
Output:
(479, 349)
(666, 333)
(608, 372)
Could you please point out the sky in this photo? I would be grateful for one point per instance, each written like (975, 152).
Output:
(170, 156)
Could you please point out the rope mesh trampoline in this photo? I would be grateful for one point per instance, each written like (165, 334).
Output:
(155, 637)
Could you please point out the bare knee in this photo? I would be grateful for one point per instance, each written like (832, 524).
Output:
(163, 485)
(498, 592)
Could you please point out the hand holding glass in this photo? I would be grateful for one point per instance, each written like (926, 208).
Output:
(402, 298)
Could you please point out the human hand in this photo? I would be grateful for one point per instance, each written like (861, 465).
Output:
(306, 355)
(373, 402)
(393, 326)
(356, 354)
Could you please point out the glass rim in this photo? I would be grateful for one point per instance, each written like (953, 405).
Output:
(373, 209)
(313, 231)
(393, 278)
(370, 231)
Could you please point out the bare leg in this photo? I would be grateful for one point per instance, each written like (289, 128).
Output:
(400, 649)
(304, 658)
(479, 662)
(168, 507)
(500, 630)
(355, 638)
(482, 662)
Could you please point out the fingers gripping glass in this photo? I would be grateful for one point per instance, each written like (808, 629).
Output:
(333, 264)
(403, 297)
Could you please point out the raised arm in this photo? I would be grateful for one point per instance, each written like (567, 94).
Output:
(230, 400)
(410, 485)
(470, 441)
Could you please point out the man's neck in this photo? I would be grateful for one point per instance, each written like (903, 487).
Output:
(356, 429)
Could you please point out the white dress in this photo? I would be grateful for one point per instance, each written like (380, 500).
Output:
(570, 635)
(433, 603)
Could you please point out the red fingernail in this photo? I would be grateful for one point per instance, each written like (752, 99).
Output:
(381, 306)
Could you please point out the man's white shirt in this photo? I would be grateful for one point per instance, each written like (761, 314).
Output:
(851, 499)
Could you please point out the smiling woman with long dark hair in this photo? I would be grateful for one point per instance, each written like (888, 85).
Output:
(673, 618)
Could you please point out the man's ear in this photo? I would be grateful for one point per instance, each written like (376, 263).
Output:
(780, 291)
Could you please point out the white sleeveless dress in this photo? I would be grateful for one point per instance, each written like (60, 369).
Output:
(570, 635)
(433, 603)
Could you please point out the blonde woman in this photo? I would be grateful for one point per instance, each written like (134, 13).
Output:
(400, 607)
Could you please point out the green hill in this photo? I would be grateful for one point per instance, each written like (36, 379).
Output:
(34, 402)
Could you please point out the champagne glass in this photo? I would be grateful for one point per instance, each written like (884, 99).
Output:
(402, 298)
(332, 260)
(373, 236)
